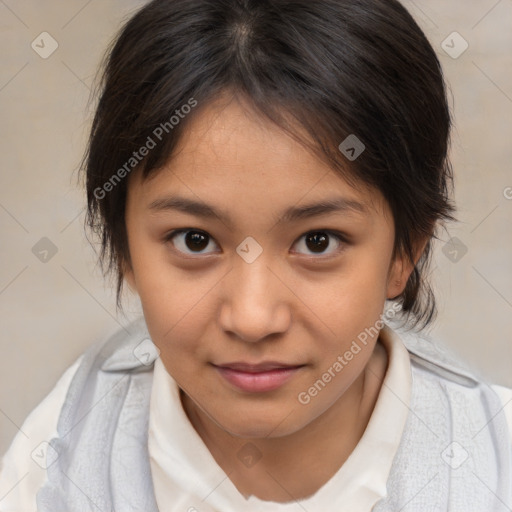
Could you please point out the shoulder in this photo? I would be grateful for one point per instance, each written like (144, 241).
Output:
(505, 395)
(429, 355)
(129, 348)
(441, 373)
(22, 469)
(103, 424)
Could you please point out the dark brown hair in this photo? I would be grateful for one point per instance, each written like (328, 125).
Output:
(334, 67)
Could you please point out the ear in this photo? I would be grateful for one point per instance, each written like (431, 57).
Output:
(129, 276)
(401, 268)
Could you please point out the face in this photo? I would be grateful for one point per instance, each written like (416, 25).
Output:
(231, 267)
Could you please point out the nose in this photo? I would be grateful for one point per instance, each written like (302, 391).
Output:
(255, 302)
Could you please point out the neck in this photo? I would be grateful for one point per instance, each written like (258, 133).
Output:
(295, 466)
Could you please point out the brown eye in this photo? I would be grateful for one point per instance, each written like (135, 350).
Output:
(321, 242)
(196, 241)
(317, 242)
(189, 241)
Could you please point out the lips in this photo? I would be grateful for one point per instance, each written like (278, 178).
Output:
(257, 378)
(256, 368)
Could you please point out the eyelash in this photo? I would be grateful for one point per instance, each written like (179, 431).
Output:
(342, 239)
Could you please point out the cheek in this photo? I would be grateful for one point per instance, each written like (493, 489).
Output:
(178, 312)
(178, 338)
(351, 299)
(162, 290)
(175, 314)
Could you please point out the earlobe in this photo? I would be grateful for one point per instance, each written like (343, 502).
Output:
(398, 277)
(400, 271)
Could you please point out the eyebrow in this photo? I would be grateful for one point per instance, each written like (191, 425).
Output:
(292, 214)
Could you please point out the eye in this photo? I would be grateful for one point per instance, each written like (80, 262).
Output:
(185, 240)
(194, 241)
(319, 241)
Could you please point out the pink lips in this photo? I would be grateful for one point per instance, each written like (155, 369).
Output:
(257, 378)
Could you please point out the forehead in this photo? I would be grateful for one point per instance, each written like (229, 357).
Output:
(228, 135)
(233, 156)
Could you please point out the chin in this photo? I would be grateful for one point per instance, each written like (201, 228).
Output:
(254, 425)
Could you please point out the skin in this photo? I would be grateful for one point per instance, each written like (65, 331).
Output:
(292, 304)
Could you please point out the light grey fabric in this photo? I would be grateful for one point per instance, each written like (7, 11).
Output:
(455, 453)
(456, 450)
(103, 461)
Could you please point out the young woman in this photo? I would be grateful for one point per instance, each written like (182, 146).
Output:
(268, 177)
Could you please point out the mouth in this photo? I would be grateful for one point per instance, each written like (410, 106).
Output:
(257, 378)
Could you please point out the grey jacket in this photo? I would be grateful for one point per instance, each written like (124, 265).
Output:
(455, 453)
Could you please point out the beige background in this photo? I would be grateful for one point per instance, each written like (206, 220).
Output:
(49, 312)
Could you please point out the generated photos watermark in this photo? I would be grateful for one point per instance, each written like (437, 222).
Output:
(151, 143)
(305, 397)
